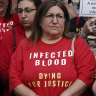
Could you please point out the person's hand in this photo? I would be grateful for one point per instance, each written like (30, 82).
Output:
(64, 94)
(89, 26)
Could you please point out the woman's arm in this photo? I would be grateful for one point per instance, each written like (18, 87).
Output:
(6, 50)
(84, 62)
(22, 90)
(16, 69)
(76, 89)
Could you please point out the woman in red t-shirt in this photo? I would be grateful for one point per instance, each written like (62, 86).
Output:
(26, 10)
(7, 20)
(45, 64)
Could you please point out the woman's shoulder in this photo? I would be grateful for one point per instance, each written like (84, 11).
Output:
(19, 29)
(81, 43)
(25, 43)
(80, 40)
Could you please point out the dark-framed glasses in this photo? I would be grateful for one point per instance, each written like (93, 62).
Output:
(59, 17)
(26, 10)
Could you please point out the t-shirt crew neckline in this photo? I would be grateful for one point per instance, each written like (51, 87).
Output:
(53, 44)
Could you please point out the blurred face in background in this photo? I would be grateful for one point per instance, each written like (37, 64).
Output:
(26, 11)
(3, 6)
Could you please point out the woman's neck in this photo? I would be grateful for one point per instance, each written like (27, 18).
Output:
(28, 32)
(51, 40)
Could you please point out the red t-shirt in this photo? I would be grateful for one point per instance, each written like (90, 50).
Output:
(6, 26)
(49, 69)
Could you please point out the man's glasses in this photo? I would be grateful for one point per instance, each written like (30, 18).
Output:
(59, 17)
(26, 10)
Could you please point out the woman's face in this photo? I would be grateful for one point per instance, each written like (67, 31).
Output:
(3, 5)
(53, 22)
(26, 12)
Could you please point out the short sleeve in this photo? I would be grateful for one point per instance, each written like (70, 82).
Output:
(85, 62)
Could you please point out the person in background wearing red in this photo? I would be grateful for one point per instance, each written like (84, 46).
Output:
(45, 64)
(26, 11)
(7, 20)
